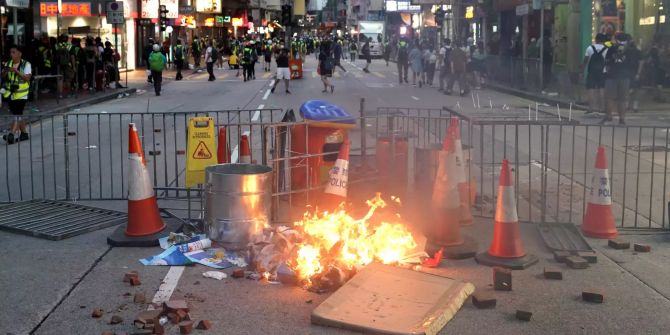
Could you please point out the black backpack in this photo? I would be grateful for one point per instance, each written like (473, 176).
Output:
(597, 60)
(215, 54)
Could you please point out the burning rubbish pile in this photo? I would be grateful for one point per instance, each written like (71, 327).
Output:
(324, 250)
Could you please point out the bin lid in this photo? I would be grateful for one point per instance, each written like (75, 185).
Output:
(326, 112)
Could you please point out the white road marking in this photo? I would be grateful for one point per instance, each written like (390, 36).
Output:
(235, 154)
(272, 83)
(415, 98)
(266, 95)
(257, 114)
(167, 287)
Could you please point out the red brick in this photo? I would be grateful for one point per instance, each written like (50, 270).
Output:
(97, 313)
(174, 318)
(159, 329)
(576, 262)
(483, 300)
(502, 279)
(641, 247)
(551, 272)
(148, 317)
(560, 256)
(139, 298)
(175, 305)
(115, 320)
(593, 295)
(589, 256)
(185, 327)
(204, 325)
(618, 244)
(238, 273)
(128, 275)
(183, 315)
(135, 281)
(523, 315)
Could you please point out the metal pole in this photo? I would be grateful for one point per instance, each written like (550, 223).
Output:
(542, 45)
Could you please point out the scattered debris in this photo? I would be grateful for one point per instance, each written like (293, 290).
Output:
(157, 130)
(115, 320)
(159, 329)
(560, 256)
(576, 262)
(135, 281)
(589, 256)
(154, 153)
(435, 260)
(286, 275)
(97, 313)
(523, 315)
(174, 318)
(239, 273)
(183, 316)
(502, 279)
(618, 244)
(131, 274)
(147, 319)
(122, 307)
(185, 327)
(309, 301)
(483, 300)
(172, 306)
(197, 282)
(641, 247)
(204, 325)
(139, 298)
(593, 295)
(193, 297)
(551, 272)
(218, 275)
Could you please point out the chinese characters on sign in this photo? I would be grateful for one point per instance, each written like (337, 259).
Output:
(68, 9)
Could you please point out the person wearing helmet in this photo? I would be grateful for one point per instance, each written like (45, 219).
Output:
(157, 61)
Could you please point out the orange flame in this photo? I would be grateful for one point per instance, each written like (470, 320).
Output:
(338, 240)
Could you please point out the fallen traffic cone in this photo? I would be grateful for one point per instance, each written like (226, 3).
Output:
(222, 152)
(506, 248)
(145, 223)
(461, 178)
(446, 231)
(599, 221)
(338, 177)
(245, 150)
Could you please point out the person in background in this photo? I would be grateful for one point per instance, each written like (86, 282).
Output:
(430, 63)
(458, 60)
(219, 59)
(157, 62)
(16, 75)
(594, 62)
(326, 67)
(478, 64)
(337, 55)
(65, 66)
(283, 71)
(387, 51)
(353, 49)
(178, 56)
(403, 60)
(635, 66)
(267, 57)
(111, 58)
(145, 55)
(91, 53)
(210, 58)
(618, 75)
(445, 64)
(196, 51)
(416, 63)
(366, 54)
(653, 60)
(234, 63)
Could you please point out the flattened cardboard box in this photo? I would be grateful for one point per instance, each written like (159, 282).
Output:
(391, 300)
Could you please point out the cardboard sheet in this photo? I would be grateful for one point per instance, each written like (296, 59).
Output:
(392, 300)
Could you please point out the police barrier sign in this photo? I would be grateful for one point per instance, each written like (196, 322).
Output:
(201, 149)
(600, 188)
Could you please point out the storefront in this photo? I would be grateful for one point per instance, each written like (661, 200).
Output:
(645, 20)
(17, 23)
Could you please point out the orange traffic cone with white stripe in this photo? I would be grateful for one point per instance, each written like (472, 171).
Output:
(144, 219)
(338, 177)
(222, 152)
(245, 150)
(599, 221)
(461, 178)
(446, 230)
(506, 248)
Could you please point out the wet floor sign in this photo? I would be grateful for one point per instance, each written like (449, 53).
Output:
(201, 149)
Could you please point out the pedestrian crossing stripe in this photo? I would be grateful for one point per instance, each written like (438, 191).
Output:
(378, 74)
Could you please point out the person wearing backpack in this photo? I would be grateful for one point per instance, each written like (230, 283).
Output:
(16, 74)
(178, 56)
(366, 54)
(157, 63)
(325, 67)
(403, 61)
(618, 75)
(65, 66)
(196, 52)
(210, 58)
(594, 62)
(445, 64)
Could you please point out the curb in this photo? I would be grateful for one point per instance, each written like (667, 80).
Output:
(88, 102)
(534, 97)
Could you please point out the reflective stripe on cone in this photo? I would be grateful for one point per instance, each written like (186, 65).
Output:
(599, 220)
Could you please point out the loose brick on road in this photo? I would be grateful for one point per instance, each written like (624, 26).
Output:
(483, 300)
(576, 262)
(560, 256)
(175, 305)
(589, 256)
(115, 320)
(593, 295)
(131, 274)
(140, 298)
(641, 247)
(618, 244)
(523, 314)
(204, 325)
(135, 281)
(97, 313)
(185, 327)
(502, 279)
(551, 272)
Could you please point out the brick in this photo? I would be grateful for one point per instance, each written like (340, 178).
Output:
(115, 320)
(149, 317)
(502, 279)
(139, 298)
(551, 272)
(576, 262)
(175, 305)
(589, 256)
(483, 300)
(618, 244)
(204, 325)
(185, 327)
(641, 247)
(97, 313)
(238, 273)
(183, 315)
(560, 256)
(159, 329)
(523, 315)
(128, 275)
(135, 281)
(593, 295)
(174, 318)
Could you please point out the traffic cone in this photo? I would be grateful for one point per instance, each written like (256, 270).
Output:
(336, 188)
(506, 248)
(222, 152)
(599, 221)
(145, 224)
(245, 150)
(446, 205)
(461, 178)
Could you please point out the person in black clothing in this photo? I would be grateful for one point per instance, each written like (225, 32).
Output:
(326, 67)
(635, 67)
(366, 54)
(337, 55)
(283, 71)
(618, 74)
(147, 51)
(179, 54)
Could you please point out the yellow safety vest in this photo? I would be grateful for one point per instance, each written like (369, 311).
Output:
(13, 79)
(44, 51)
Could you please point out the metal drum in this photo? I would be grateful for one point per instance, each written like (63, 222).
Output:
(238, 202)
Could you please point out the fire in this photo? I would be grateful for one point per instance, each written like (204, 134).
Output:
(338, 243)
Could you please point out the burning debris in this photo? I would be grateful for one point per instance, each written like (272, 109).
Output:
(324, 250)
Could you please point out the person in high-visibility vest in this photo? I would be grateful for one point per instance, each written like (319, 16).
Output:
(16, 77)
(178, 56)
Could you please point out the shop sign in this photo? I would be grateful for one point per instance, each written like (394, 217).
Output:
(522, 10)
(470, 12)
(238, 22)
(219, 19)
(150, 8)
(185, 9)
(208, 6)
(209, 22)
(67, 9)
(18, 3)
(187, 21)
(114, 12)
(226, 19)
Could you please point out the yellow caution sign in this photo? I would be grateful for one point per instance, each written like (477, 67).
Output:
(201, 149)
